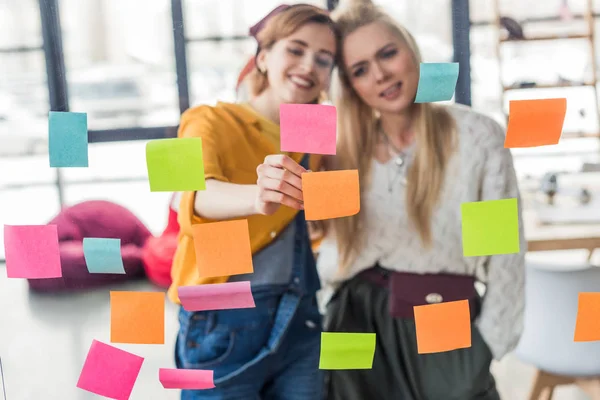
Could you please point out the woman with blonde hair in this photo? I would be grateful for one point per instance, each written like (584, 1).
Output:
(417, 163)
(270, 351)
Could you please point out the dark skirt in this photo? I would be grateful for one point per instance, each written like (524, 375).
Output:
(399, 372)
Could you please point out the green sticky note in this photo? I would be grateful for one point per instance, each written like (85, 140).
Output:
(347, 350)
(490, 227)
(175, 165)
(437, 82)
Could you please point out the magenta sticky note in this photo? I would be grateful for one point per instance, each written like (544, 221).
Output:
(32, 251)
(216, 296)
(109, 371)
(307, 128)
(191, 379)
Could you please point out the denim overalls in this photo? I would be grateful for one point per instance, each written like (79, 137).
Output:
(267, 352)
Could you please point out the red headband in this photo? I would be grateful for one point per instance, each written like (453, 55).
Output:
(256, 28)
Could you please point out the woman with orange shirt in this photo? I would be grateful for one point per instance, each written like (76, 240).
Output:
(270, 351)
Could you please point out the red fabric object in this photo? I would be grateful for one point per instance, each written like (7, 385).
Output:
(158, 253)
(95, 219)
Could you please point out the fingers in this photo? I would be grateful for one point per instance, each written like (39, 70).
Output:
(285, 176)
(278, 185)
(283, 161)
(271, 196)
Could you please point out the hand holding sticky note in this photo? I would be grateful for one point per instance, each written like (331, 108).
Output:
(437, 82)
(103, 256)
(109, 371)
(67, 139)
(443, 327)
(308, 128)
(189, 379)
(137, 317)
(32, 251)
(223, 248)
(534, 123)
(175, 165)
(216, 296)
(340, 350)
(490, 227)
(330, 194)
(587, 325)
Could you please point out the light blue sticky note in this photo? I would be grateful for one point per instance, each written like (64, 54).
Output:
(68, 139)
(437, 82)
(103, 256)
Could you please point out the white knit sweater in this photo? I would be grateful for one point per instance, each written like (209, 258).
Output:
(481, 170)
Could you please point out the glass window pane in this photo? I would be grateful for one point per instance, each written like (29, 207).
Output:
(120, 62)
(228, 17)
(20, 24)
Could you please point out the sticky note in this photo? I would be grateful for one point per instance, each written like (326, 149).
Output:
(216, 296)
(223, 248)
(308, 128)
(341, 350)
(437, 82)
(533, 123)
(587, 324)
(443, 327)
(330, 194)
(103, 256)
(190, 379)
(137, 317)
(175, 165)
(490, 227)
(32, 251)
(109, 371)
(67, 139)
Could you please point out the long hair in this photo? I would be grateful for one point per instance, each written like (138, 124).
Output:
(435, 136)
(281, 26)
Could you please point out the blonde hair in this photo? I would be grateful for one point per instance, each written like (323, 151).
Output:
(435, 136)
(281, 26)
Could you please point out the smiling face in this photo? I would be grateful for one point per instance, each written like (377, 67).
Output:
(299, 66)
(381, 68)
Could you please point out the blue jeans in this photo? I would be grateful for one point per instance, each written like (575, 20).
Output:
(237, 346)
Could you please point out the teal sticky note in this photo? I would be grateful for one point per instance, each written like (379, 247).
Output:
(175, 165)
(437, 82)
(490, 227)
(341, 350)
(103, 256)
(67, 139)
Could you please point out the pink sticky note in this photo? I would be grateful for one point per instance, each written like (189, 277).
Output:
(32, 251)
(308, 128)
(109, 371)
(192, 379)
(216, 296)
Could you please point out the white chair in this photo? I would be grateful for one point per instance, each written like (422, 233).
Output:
(551, 295)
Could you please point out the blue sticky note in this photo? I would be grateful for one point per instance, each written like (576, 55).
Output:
(68, 139)
(103, 256)
(437, 82)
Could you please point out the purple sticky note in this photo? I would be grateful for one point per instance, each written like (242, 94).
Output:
(32, 251)
(191, 379)
(109, 372)
(216, 296)
(308, 128)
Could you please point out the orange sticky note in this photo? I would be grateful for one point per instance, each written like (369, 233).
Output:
(443, 327)
(587, 325)
(137, 317)
(330, 194)
(223, 248)
(533, 123)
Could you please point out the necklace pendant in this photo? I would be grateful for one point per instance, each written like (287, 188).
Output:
(399, 161)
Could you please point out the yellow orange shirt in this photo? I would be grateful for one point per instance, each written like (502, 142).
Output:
(235, 140)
